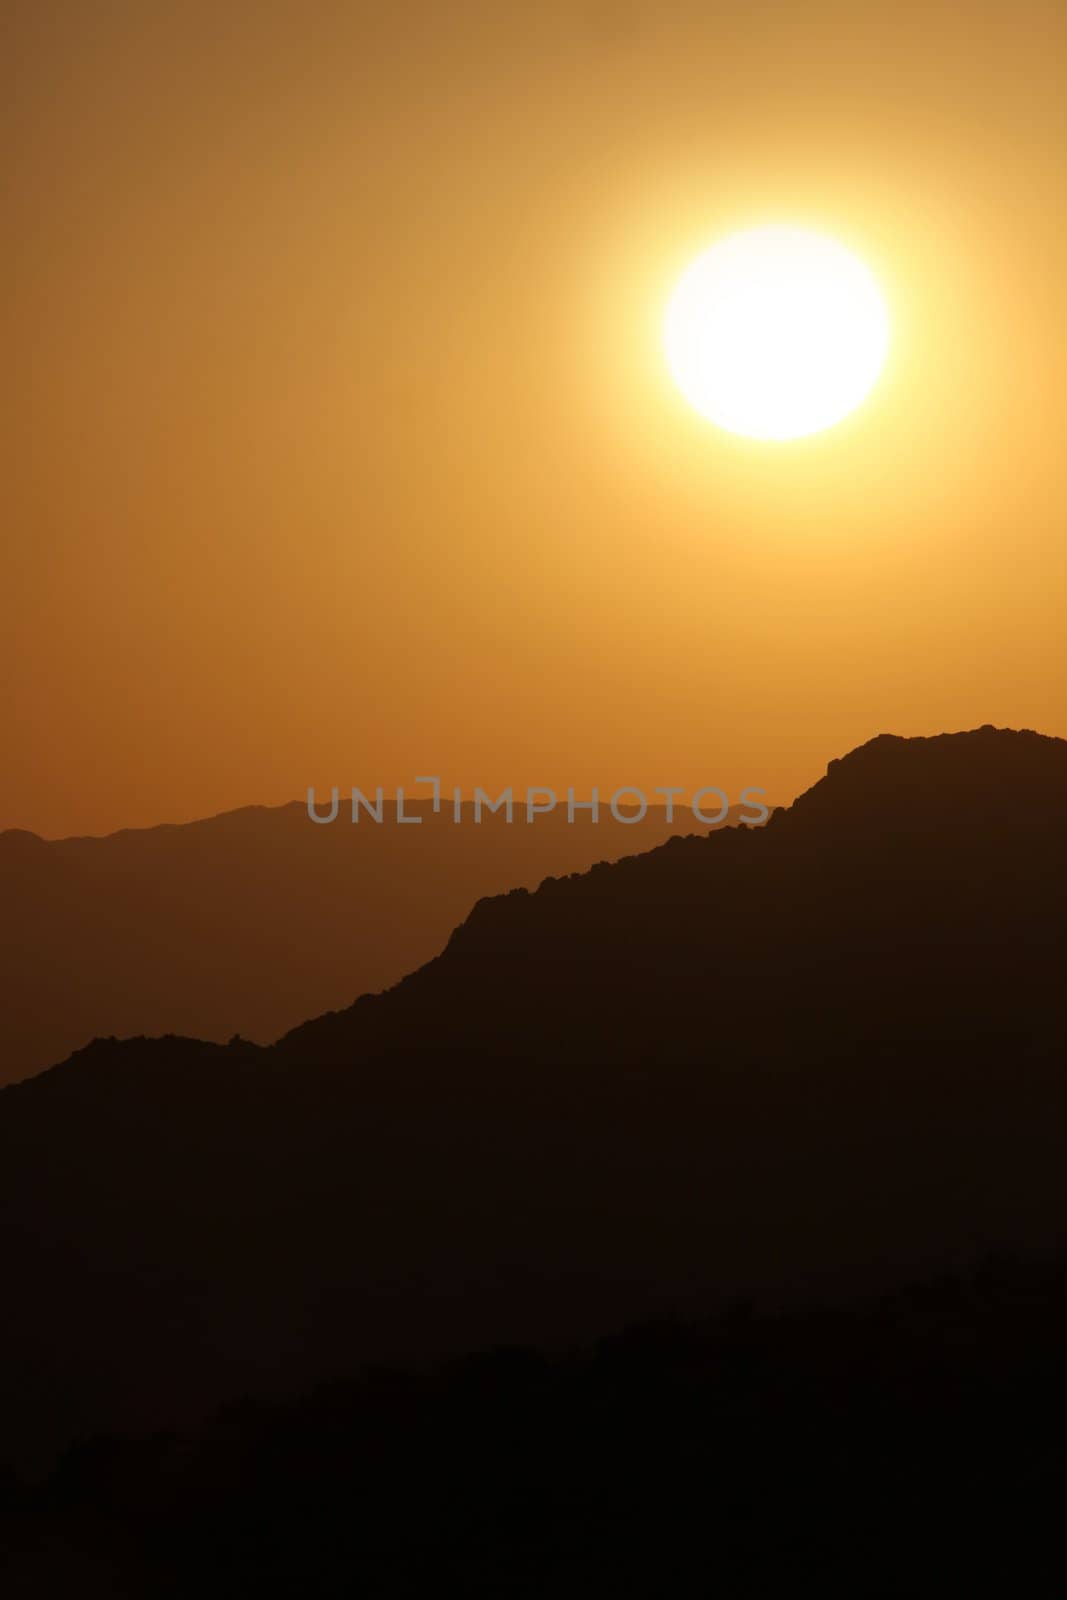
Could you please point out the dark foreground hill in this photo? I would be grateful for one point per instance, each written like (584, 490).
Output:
(251, 921)
(905, 1445)
(823, 1055)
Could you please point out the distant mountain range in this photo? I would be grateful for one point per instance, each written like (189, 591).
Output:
(251, 921)
(826, 1052)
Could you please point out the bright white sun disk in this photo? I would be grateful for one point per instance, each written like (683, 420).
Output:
(776, 333)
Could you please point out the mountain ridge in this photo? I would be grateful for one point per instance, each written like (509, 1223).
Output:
(845, 776)
(250, 921)
(744, 1064)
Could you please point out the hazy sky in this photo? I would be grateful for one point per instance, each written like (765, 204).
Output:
(340, 443)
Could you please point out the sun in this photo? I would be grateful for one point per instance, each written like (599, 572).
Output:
(776, 333)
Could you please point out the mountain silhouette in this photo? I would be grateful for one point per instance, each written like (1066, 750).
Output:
(914, 1432)
(783, 1062)
(251, 921)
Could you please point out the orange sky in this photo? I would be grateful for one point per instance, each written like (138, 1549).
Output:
(340, 443)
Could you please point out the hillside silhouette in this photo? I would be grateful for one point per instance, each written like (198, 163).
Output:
(907, 1443)
(251, 921)
(818, 1058)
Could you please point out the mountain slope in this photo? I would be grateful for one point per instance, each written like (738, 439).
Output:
(251, 921)
(754, 1062)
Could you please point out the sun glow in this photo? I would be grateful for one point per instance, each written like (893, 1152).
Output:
(776, 333)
